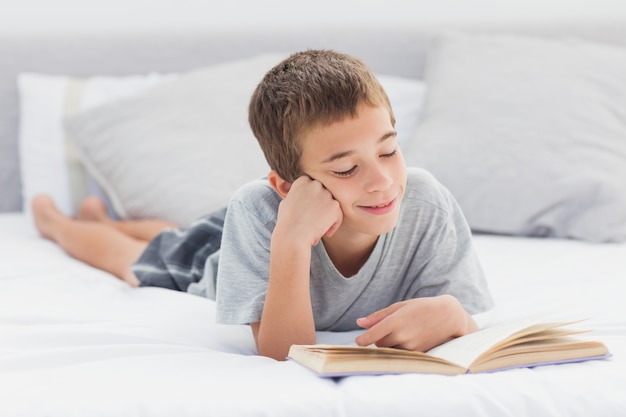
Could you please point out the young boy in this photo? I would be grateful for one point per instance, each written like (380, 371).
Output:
(339, 236)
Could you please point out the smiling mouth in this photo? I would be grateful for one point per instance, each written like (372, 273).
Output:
(382, 205)
(382, 208)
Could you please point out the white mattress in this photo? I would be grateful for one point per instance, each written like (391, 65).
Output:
(75, 341)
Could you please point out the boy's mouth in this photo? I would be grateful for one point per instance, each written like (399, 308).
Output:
(382, 208)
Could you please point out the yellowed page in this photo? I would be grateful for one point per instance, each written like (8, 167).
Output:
(464, 350)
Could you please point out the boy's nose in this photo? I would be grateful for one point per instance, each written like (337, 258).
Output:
(378, 179)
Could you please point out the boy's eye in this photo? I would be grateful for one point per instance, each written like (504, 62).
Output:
(389, 155)
(345, 173)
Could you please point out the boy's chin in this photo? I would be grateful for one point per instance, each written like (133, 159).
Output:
(381, 226)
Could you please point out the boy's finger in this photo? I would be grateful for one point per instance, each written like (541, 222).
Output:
(377, 316)
(372, 335)
(338, 220)
(332, 229)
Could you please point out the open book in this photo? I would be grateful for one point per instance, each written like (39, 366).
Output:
(526, 342)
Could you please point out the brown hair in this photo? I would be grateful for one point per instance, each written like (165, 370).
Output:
(308, 89)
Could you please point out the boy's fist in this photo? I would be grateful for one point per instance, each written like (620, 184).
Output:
(309, 210)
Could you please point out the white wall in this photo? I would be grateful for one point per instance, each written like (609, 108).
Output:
(149, 15)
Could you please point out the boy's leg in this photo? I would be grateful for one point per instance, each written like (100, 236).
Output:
(94, 243)
(94, 209)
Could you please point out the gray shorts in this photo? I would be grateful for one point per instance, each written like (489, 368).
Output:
(175, 258)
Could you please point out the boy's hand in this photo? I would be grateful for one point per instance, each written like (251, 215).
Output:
(309, 211)
(418, 324)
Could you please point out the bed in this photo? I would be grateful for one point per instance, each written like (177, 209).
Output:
(540, 173)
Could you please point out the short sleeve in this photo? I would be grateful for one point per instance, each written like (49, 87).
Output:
(243, 271)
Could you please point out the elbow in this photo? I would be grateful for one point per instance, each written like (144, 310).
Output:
(276, 355)
(279, 349)
(276, 344)
(273, 350)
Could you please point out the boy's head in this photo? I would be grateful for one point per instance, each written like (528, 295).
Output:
(306, 90)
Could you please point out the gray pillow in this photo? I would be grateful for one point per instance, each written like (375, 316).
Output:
(178, 150)
(529, 134)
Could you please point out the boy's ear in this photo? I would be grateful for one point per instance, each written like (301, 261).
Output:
(278, 184)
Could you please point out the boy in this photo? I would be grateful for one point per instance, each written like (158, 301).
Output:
(339, 236)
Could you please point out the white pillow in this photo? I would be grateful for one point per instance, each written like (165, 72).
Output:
(406, 96)
(178, 151)
(48, 162)
(529, 134)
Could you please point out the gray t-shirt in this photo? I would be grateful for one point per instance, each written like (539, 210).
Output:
(428, 253)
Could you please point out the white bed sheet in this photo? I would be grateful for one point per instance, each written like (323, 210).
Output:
(75, 341)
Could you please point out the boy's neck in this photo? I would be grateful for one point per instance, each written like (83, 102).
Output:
(348, 255)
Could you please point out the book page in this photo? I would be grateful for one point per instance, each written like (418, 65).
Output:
(464, 350)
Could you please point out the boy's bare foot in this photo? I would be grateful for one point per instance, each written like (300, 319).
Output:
(92, 208)
(46, 215)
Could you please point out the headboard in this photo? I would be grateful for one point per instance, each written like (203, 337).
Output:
(395, 50)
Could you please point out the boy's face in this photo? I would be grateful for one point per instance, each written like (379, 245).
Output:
(358, 160)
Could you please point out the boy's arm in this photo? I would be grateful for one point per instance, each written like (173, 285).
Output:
(306, 214)
(287, 313)
(418, 324)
